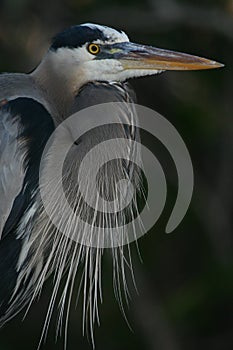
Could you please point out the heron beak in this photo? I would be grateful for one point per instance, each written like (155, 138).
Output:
(134, 56)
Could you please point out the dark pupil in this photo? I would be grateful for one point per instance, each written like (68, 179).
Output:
(94, 48)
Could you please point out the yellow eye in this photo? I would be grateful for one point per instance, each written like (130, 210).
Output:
(93, 49)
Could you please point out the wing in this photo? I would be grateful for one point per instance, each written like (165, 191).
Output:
(25, 126)
(12, 170)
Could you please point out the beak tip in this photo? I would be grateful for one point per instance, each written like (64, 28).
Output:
(215, 64)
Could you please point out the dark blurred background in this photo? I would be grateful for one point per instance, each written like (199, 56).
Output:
(185, 281)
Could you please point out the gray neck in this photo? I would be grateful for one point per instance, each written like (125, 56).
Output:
(56, 84)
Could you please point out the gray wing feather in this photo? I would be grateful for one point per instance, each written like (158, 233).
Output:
(12, 155)
(12, 151)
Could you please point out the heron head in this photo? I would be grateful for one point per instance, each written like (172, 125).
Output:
(94, 52)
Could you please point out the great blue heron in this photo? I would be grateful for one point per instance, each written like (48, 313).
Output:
(85, 65)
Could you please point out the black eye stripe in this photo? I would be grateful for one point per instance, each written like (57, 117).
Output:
(77, 36)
